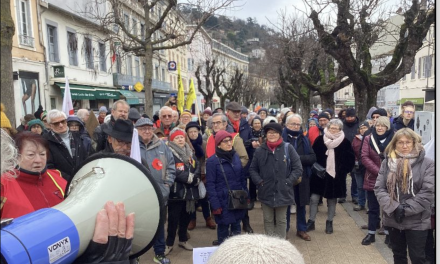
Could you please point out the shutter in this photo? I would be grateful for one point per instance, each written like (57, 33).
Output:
(429, 63)
(419, 69)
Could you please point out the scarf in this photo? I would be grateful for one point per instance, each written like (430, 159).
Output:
(256, 133)
(235, 124)
(388, 135)
(273, 145)
(71, 148)
(100, 119)
(332, 141)
(184, 154)
(292, 137)
(197, 145)
(222, 154)
(400, 173)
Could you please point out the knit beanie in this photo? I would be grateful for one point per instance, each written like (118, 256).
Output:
(103, 109)
(33, 122)
(365, 123)
(314, 112)
(192, 124)
(380, 111)
(244, 110)
(323, 115)
(274, 126)
(43, 115)
(262, 109)
(4, 122)
(383, 120)
(176, 132)
(219, 136)
(186, 112)
(256, 248)
(350, 112)
(329, 111)
(207, 111)
(285, 110)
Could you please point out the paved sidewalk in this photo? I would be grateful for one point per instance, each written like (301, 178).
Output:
(343, 246)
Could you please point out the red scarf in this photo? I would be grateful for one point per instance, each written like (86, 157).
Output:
(235, 124)
(273, 145)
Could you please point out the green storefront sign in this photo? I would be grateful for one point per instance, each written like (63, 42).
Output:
(58, 72)
(80, 94)
(106, 95)
(83, 92)
(416, 101)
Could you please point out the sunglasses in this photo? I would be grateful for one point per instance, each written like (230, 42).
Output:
(167, 116)
(59, 122)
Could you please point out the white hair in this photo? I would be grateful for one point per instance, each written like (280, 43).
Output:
(55, 113)
(82, 113)
(9, 157)
(115, 104)
(164, 108)
(269, 119)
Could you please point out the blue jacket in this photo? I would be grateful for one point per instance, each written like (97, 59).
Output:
(218, 191)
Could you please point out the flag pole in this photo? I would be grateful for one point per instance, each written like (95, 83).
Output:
(198, 113)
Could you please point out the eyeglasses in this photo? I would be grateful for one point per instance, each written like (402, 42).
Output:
(294, 124)
(59, 122)
(402, 143)
(333, 128)
(409, 112)
(217, 123)
(227, 140)
(167, 116)
(380, 125)
(145, 128)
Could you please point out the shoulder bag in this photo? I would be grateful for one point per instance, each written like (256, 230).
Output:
(318, 170)
(237, 199)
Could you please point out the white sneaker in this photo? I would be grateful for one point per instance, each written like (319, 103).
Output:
(168, 249)
(186, 245)
(293, 209)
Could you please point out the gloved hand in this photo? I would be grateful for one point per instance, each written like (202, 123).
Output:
(112, 238)
(399, 213)
(217, 211)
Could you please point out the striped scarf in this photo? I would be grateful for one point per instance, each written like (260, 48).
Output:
(400, 173)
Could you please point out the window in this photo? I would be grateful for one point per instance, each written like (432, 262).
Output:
(72, 48)
(137, 67)
(142, 31)
(426, 66)
(126, 22)
(163, 74)
(24, 23)
(128, 64)
(53, 103)
(88, 48)
(118, 64)
(102, 56)
(156, 72)
(413, 71)
(134, 27)
(52, 36)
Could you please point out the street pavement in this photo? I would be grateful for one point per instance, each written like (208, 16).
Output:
(343, 246)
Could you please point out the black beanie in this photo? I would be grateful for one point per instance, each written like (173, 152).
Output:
(350, 112)
(323, 115)
(380, 111)
(192, 124)
(274, 126)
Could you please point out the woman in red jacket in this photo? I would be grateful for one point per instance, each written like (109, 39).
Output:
(372, 155)
(35, 186)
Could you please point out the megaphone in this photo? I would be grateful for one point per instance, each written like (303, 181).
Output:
(62, 233)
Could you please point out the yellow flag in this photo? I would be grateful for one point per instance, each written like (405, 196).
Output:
(191, 96)
(180, 92)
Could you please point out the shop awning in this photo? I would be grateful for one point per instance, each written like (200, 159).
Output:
(349, 103)
(131, 97)
(80, 92)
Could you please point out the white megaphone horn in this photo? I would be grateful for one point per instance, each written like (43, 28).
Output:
(62, 233)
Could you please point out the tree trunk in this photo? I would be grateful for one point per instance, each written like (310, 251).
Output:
(7, 86)
(327, 101)
(148, 80)
(361, 99)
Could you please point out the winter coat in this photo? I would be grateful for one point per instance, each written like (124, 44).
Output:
(100, 137)
(84, 134)
(356, 146)
(60, 157)
(217, 189)
(351, 129)
(307, 161)
(330, 187)
(160, 159)
(371, 161)
(181, 189)
(398, 123)
(269, 172)
(418, 214)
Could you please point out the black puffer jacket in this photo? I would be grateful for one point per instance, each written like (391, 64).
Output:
(271, 169)
(181, 189)
(398, 123)
(60, 157)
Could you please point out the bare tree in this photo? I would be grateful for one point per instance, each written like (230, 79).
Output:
(7, 30)
(230, 89)
(349, 39)
(204, 81)
(162, 29)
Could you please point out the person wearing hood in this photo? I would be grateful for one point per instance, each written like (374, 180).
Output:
(405, 189)
(370, 112)
(67, 149)
(313, 114)
(120, 110)
(351, 124)
(102, 114)
(77, 126)
(294, 135)
(313, 129)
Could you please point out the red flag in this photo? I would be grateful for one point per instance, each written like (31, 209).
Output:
(114, 54)
(67, 100)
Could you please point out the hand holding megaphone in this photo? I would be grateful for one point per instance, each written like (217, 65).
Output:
(112, 236)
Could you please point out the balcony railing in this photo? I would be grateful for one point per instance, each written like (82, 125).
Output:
(26, 41)
(122, 79)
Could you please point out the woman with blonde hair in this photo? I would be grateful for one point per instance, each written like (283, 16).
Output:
(405, 190)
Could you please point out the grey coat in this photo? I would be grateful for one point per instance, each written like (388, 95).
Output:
(418, 214)
(160, 159)
(268, 171)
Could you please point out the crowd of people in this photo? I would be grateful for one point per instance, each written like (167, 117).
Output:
(278, 159)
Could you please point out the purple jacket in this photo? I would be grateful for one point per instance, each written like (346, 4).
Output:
(371, 160)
